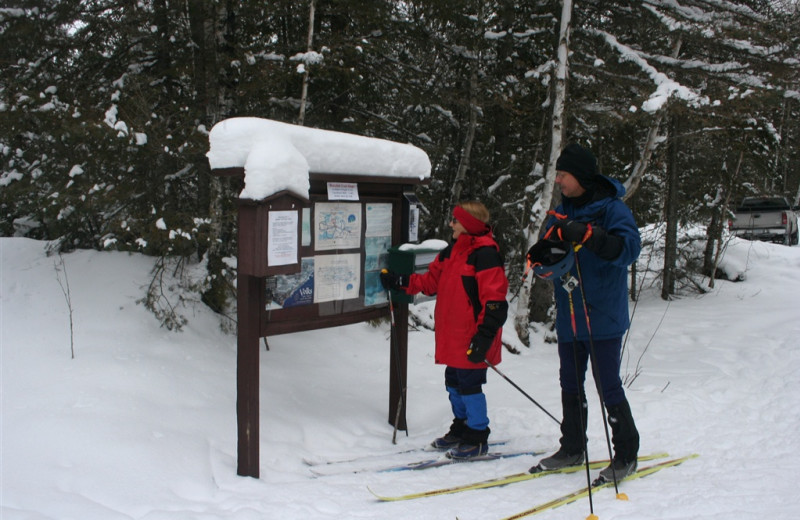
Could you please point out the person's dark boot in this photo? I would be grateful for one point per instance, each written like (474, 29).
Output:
(474, 443)
(573, 432)
(625, 438)
(453, 437)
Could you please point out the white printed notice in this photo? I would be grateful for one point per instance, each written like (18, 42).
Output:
(282, 238)
(413, 223)
(379, 220)
(342, 191)
(336, 277)
(338, 225)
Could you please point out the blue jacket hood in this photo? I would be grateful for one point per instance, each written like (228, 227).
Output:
(619, 188)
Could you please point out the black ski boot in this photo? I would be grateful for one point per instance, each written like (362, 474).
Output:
(452, 438)
(625, 438)
(474, 443)
(573, 432)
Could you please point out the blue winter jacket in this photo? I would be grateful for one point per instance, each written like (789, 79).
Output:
(605, 283)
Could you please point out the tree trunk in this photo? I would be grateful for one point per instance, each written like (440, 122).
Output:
(199, 26)
(163, 64)
(463, 166)
(797, 196)
(543, 295)
(309, 47)
(226, 40)
(713, 250)
(713, 235)
(213, 28)
(671, 215)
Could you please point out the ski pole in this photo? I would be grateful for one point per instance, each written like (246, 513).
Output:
(531, 399)
(394, 341)
(569, 283)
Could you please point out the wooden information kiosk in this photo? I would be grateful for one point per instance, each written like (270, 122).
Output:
(314, 262)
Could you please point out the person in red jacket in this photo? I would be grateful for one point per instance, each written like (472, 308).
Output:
(470, 284)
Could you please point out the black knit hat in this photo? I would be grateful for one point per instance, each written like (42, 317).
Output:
(581, 163)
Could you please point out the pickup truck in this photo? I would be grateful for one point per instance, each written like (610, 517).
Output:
(765, 218)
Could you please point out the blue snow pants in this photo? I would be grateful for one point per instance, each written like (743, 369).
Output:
(464, 387)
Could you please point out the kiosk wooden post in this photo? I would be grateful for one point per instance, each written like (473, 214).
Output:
(398, 362)
(250, 292)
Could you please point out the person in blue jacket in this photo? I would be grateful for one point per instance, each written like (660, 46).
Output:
(593, 216)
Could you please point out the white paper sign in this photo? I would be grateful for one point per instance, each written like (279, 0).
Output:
(413, 223)
(282, 238)
(342, 191)
(379, 220)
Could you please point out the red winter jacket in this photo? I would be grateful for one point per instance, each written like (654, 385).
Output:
(470, 284)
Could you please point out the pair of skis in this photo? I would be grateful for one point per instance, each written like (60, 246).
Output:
(504, 480)
(556, 502)
(581, 493)
(322, 468)
(516, 477)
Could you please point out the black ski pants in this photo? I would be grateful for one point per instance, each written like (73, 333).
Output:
(608, 364)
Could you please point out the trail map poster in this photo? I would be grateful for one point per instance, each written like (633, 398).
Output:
(337, 277)
(337, 225)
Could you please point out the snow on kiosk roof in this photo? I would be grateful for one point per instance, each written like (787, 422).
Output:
(278, 156)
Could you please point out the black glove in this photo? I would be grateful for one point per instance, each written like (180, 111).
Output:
(392, 280)
(606, 246)
(478, 348)
(572, 231)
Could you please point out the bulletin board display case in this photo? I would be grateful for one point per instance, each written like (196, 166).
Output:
(321, 258)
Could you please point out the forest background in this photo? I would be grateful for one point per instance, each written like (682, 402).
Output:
(105, 109)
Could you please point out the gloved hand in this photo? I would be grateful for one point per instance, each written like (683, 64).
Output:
(479, 347)
(572, 231)
(604, 244)
(392, 280)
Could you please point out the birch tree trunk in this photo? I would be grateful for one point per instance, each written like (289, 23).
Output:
(652, 142)
(543, 292)
(797, 196)
(309, 47)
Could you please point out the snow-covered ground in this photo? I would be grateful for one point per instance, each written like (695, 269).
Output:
(141, 424)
